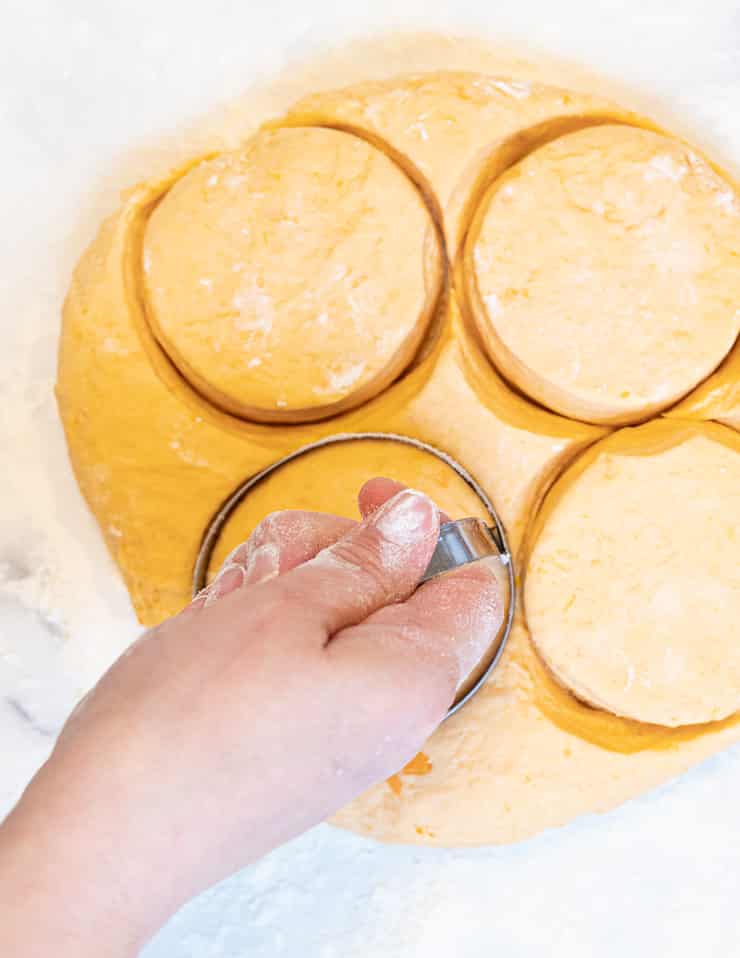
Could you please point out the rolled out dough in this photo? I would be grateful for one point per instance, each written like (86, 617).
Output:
(525, 753)
(602, 270)
(293, 278)
(632, 590)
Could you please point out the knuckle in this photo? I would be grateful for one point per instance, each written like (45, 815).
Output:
(275, 609)
(270, 528)
(365, 553)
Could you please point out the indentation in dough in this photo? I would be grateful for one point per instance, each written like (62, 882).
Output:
(444, 127)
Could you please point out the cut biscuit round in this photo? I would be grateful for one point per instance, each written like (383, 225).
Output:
(632, 591)
(602, 272)
(278, 281)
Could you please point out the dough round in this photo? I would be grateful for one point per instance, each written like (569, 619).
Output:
(328, 480)
(632, 588)
(294, 278)
(603, 273)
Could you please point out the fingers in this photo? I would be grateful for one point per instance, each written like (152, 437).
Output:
(377, 491)
(282, 541)
(378, 562)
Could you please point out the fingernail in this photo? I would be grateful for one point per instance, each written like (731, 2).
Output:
(238, 556)
(231, 577)
(406, 518)
(263, 564)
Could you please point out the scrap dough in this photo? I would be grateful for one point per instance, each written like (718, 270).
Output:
(633, 581)
(718, 397)
(293, 278)
(525, 753)
(453, 131)
(603, 273)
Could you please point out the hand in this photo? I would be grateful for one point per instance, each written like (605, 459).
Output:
(307, 671)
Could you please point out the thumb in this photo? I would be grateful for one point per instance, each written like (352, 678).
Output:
(377, 491)
(378, 562)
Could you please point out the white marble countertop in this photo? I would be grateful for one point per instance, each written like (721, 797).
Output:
(85, 86)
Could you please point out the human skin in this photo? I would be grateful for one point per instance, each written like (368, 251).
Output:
(311, 668)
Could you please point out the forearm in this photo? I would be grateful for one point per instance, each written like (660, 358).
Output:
(60, 893)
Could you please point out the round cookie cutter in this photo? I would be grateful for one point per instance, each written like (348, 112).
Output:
(461, 542)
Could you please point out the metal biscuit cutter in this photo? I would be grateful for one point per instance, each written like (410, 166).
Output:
(461, 542)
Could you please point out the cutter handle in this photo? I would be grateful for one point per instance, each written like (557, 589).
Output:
(462, 542)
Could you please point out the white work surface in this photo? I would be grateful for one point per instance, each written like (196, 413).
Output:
(86, 86)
